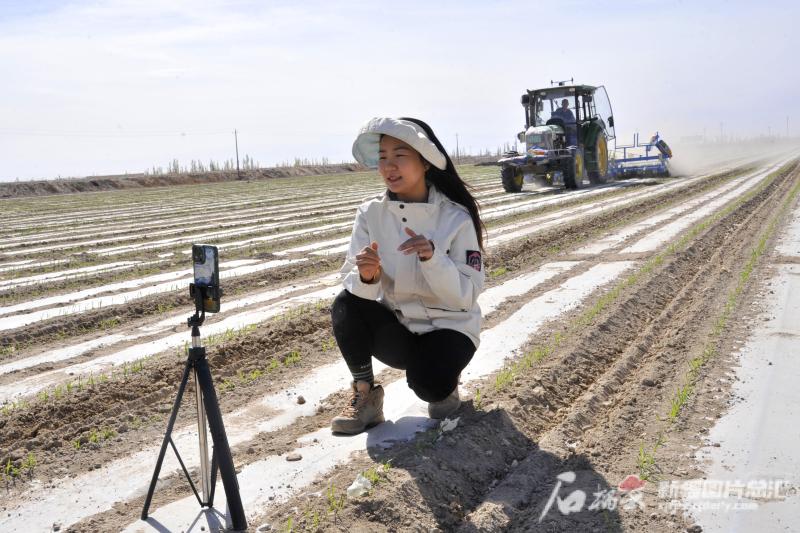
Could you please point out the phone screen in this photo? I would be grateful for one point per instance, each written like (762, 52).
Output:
(206, 273)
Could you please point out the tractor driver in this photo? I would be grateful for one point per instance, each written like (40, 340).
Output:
(565, 114)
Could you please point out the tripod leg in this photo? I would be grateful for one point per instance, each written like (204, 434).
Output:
(205, 474)
(214, 467)
(172, 417)
(222, 451)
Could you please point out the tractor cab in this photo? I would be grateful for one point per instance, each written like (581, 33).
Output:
(575, 109)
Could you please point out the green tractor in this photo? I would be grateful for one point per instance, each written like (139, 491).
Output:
(567, 132)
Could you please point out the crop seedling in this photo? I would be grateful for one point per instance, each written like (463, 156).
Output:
(335, 503)
(558, 338)
(7, 350)
(646, 463)
(503, 378)
(498, 272)
(372, 475)
(679, 400)
(11, 472)
(329, 344)
(292, 359)
(29, 464)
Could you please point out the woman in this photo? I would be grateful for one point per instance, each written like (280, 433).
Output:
(412, 274)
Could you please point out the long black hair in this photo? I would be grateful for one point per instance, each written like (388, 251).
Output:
(450, 183)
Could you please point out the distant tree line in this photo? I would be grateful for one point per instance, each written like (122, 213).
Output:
(248, 163)
(198, 166)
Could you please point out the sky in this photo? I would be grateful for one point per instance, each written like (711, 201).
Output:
(113, 86)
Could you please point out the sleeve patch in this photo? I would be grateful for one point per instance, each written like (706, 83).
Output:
(474, 259)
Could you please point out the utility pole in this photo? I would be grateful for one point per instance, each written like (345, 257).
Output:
(236, 140)
(458, 159)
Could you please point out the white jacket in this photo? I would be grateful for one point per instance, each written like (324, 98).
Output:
(440, 293)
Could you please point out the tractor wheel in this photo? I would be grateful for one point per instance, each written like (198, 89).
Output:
(574, 172)
(600, 175)
(512, 179)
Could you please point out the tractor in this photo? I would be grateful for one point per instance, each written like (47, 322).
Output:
(567, 131)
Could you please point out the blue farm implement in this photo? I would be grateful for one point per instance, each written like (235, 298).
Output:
(641, 159)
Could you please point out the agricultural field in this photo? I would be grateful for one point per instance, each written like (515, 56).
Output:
(612, 317)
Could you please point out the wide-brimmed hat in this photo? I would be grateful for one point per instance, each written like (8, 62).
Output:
(366, 145)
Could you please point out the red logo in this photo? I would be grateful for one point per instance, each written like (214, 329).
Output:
(631, 482)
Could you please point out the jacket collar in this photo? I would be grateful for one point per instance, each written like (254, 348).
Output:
(434, 196)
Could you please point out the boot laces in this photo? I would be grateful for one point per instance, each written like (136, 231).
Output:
(357, 401)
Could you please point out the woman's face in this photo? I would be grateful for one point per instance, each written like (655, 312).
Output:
(402, 169)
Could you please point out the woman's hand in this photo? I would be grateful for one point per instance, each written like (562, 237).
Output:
(369, 263)
(417, 244)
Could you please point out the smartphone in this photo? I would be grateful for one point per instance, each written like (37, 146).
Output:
(206, 274)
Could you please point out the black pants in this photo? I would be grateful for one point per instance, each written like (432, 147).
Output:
(432, 360)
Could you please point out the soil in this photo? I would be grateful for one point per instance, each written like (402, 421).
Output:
(497, 469)
(19, 189)
(530, 251)
(625, 368)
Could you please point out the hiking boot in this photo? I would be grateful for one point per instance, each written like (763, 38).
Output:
(364, 410)
(448, 406)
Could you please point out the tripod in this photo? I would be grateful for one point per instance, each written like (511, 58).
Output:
(207, 407)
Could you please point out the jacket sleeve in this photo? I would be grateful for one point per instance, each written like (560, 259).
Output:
(449, 276)
(351, 279)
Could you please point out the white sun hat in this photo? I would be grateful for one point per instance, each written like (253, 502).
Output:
(365, 148)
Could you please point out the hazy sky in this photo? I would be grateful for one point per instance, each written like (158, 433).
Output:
(113, 86)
